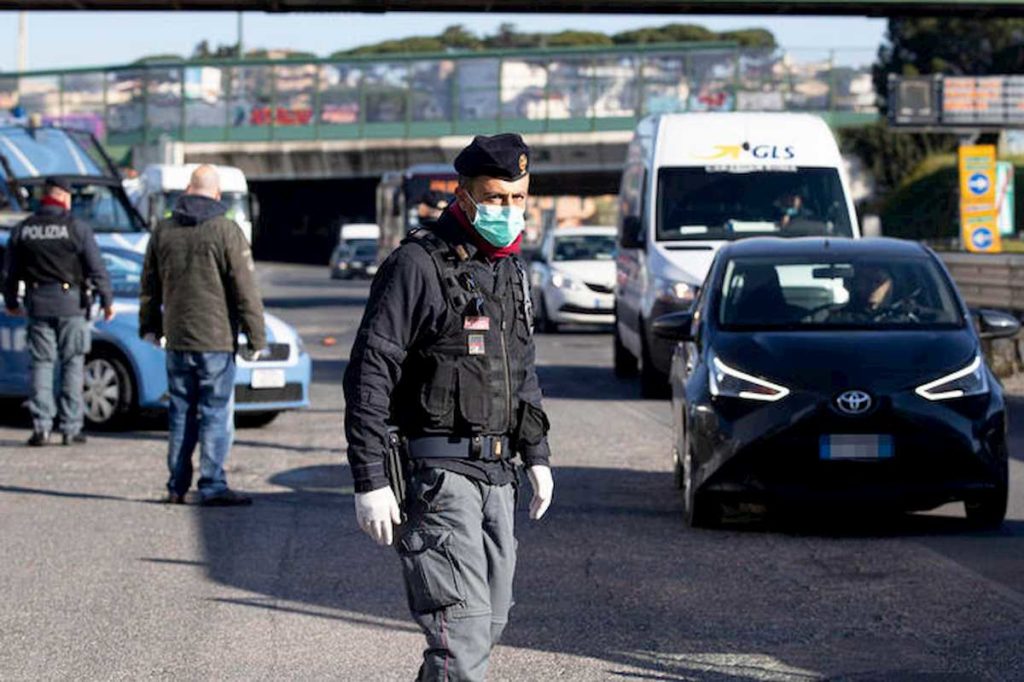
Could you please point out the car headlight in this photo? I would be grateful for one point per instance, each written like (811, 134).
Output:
(968, 381)
(670, 291)
(563, 281)
(732, 383)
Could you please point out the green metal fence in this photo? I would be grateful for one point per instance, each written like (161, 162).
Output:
(431, 95)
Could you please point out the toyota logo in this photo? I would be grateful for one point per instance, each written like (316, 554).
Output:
(853, 402)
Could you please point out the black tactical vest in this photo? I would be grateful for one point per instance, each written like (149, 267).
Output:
(466, 380)
(48, 251)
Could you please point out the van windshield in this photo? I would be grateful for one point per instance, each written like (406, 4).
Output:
(729, 202)
(237, 204)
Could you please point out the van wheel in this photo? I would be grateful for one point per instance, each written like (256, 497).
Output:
(625, 363)
(653, 384)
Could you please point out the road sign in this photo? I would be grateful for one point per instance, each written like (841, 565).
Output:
(979, 231)
(978, 175)
(1005, 198)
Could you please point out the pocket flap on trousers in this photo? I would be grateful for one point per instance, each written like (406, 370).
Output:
(419, 540)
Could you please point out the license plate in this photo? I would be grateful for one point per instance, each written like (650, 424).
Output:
(267, 378)
(855, 447)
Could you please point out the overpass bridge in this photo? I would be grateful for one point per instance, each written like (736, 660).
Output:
(314, 136)
(359, 117)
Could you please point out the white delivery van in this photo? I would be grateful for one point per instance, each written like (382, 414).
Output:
(159, 186)
(356, 252)
(693, 182)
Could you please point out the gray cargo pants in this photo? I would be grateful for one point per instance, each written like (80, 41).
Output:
(53, 339)
(458, 552)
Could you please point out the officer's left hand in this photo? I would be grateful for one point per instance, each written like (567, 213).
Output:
(108, 313)
(543, 490)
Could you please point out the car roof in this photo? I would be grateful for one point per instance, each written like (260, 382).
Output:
(841, 247)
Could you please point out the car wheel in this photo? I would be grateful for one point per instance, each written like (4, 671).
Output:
(699, 510)
(653, 384)
(254, 420)
(544, 321)
(108, 389)
(987, 510)
(625, 363)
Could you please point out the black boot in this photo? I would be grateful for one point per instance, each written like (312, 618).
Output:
(39, 438)
(76, 439)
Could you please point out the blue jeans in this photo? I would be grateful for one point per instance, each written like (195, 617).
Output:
(53, 339)
(201, 410)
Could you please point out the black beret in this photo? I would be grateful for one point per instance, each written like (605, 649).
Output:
(504, 156)
(59, 183)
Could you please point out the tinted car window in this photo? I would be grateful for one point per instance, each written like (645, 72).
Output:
(858, 293)
(125, 272)
(726, 203)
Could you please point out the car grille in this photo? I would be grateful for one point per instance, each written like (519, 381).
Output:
(276, 352)
(580, 310)
(287, 394)
(600, 288)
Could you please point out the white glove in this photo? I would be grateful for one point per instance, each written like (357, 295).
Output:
(543, 489)
(376, 511)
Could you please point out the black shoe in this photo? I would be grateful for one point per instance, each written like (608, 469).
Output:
(228, 498)
(39, 438)
(76, 439)
(174, 498)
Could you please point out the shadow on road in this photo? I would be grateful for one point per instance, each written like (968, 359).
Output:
(585, 382)
(610, 573)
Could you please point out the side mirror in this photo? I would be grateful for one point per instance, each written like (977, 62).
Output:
(631, 235)
(675, 326)
(995, 324)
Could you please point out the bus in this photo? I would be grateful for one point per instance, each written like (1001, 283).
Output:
(398, 195)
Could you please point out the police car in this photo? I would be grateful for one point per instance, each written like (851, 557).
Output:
(125, 375)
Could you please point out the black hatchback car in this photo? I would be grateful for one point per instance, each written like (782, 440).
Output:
(836, 372)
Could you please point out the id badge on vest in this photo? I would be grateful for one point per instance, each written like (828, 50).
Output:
(476, 344)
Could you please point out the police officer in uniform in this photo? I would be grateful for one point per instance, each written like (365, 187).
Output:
(445, 355)
(57, 258)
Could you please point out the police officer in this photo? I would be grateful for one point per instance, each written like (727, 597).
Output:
(56, 256)
(430, 207)
(445, 353)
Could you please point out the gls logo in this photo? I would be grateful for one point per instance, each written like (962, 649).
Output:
(758, 151)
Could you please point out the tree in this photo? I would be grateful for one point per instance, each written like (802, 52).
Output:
(751, 38)
(456, 37)
(948, 45)
(577, 39)
(203, 51)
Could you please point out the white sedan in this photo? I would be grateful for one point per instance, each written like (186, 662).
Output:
(573, 277)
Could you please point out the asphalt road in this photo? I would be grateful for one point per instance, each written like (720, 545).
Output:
(98, 581)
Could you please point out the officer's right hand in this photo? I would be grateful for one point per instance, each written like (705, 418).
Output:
(377, 513)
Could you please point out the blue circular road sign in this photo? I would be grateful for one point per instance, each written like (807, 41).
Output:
(982, 238)
(978, 183)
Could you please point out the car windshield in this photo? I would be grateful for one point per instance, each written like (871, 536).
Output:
(125, 270)
(99, 205)
(237, 204)
(856, 293)
(365, 250)
(584, 247)
(727, 203)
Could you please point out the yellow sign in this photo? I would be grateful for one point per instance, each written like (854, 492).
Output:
(978, 175)
(979, 231)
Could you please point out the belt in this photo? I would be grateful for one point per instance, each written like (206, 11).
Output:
(63, 286)
(450, 447)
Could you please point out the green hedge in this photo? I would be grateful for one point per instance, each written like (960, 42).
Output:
(927, 204)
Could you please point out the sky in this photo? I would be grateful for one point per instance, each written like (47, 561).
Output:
(74, 39)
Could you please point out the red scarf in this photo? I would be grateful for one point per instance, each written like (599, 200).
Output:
(51, 201)
(489, 250)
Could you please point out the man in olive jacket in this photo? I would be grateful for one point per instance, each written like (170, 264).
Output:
(198, 292)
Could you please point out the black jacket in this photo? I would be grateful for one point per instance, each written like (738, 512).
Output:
(406, 318)
(198, 288)
(65, 253)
